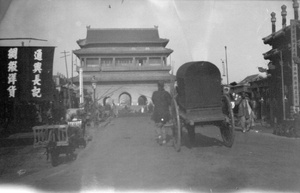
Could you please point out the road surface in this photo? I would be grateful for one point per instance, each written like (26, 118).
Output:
(124, 156)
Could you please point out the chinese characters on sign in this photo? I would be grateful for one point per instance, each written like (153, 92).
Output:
(37, 70)
(12, 71)
(294, 65)
(27, 73)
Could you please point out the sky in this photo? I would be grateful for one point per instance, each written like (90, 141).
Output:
(198, 30)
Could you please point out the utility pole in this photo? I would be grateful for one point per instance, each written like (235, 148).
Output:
(282, 85)
(72, 68)
(226, 65)
(223, 67)
(73, 62)
(81, 99)
(69, 95)
(65, 56)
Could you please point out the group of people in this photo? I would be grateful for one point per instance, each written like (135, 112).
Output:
(49, 115)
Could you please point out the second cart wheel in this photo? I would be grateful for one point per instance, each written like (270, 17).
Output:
(176, 129)
(227, 126)
(192, 134)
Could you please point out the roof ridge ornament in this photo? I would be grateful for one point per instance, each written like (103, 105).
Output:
(296, 6)
(283, 14)
(273, 20)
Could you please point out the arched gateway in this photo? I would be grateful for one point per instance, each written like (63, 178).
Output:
(126, 64)
(142, 100)
(125, 99)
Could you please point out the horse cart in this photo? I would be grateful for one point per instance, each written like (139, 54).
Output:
(198, 99)
(60, 139)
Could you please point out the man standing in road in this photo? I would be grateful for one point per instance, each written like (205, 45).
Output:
(245, 112)
(161, 114)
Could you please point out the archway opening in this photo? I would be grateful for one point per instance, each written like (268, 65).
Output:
(125, 99)
(142, 100)
(107, 101)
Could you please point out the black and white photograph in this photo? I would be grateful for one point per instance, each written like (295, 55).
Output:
(180, 96)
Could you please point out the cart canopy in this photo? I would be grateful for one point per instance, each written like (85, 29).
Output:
(198, 85)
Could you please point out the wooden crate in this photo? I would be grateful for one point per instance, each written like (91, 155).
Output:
(45, 133)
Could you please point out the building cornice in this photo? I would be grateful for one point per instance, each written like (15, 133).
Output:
(123, 50)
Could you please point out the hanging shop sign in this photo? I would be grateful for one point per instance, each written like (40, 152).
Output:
(26, 73)
(294, 54)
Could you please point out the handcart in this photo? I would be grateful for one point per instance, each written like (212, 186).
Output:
(197, 99)
(59, 139)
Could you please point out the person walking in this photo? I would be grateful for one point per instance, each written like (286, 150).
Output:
(245, 113)
(162, 101)
(115, 110)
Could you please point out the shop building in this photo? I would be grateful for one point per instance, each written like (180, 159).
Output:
(283, 70)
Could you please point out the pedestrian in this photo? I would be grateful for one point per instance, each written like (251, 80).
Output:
(161, 100)
(150, 107)
(39, 119)
(297, 124)
(83, 116)
(273, 112)
(49, 116)
(115, 110)
(245, 113)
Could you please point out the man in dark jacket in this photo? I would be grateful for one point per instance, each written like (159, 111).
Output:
(162, 101)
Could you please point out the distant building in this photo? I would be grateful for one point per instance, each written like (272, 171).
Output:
(249, 84)
(257, 87)
(123, 64)
(283, 67)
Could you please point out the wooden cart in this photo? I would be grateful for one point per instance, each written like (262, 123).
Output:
(59, 139)
(198, 99)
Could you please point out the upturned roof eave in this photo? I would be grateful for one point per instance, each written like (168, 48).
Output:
(270, 54)
(270, 38)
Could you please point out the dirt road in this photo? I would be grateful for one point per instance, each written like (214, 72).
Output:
(125, 157)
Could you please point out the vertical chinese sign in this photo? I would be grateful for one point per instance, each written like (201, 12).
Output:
(294, 25)
(26, 73)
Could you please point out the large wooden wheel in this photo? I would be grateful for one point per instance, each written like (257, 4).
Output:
(52, 148)
(176, 128)
(227, 126)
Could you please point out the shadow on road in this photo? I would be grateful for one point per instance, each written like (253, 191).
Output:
(18, 142)
(64, 159)
(200, 141)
